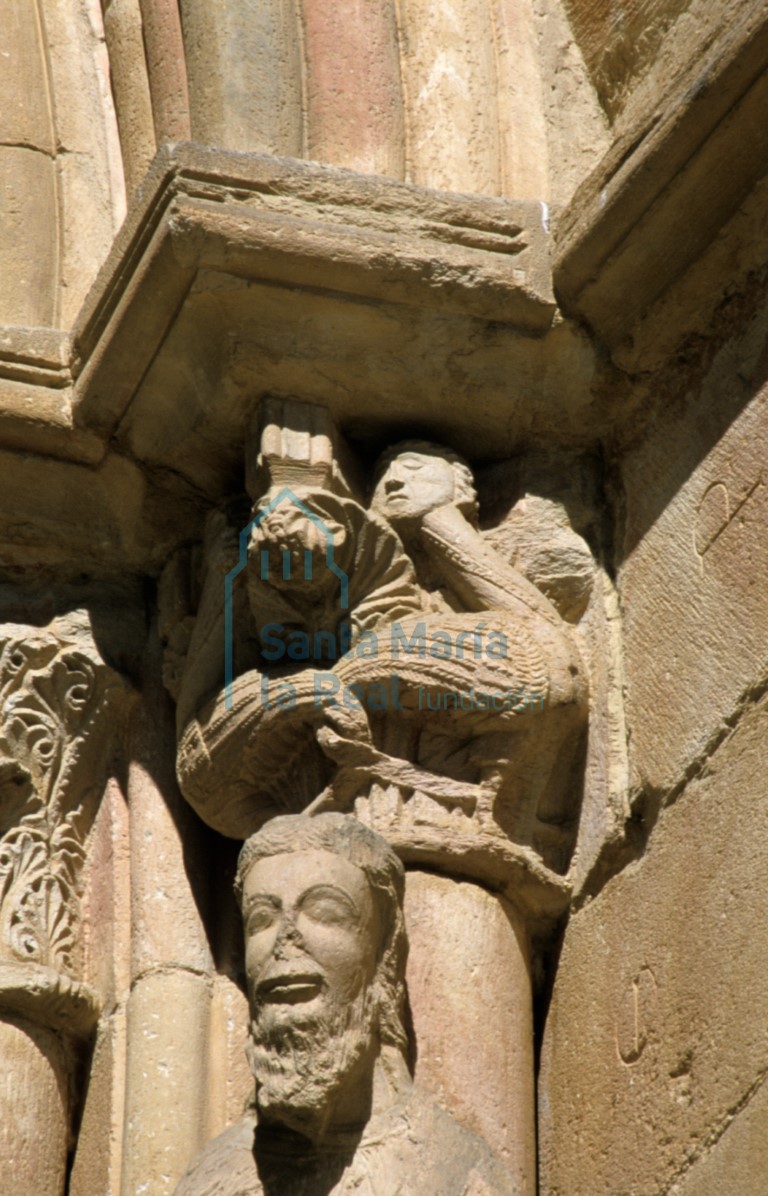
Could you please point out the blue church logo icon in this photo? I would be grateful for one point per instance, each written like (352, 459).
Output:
(286, 495)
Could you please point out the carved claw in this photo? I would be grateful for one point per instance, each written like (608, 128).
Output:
(362, 763)
(296, 446)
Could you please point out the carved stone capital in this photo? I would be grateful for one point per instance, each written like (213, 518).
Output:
(57, 699)
(370, 649)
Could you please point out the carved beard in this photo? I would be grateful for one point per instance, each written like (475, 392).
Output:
(300, 1060)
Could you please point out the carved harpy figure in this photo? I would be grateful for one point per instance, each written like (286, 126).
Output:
(415, 564)
(235, 746)
(488, 795)
(335, 1107)
(518, 764)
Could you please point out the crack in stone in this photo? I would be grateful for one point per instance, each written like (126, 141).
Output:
(705, 1146)
(647, 802)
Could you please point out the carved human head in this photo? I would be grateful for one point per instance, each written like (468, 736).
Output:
(325, 956)
(416, 476)
(289, 544)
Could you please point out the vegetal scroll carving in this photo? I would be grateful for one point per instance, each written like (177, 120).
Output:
(54, 702)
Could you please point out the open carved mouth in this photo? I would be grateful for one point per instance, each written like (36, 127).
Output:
(290, 987)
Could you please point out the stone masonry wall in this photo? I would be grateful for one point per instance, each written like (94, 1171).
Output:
(656, 1046)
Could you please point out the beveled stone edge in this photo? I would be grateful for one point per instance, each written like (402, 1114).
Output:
(200, 210)
(648, 189)
(198, 171)
(48, 998)
(497, 264)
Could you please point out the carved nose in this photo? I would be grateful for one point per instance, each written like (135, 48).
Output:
(392, 484)
(288, 938)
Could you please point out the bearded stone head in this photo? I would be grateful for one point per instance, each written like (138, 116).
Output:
(325, 952)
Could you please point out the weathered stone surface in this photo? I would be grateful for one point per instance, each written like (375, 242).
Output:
(335, 1107)
(605, 808)
(91, 186)
(98, 1155)
(107, 896)
(688, 157)
(444, 95)
(25, 113)
(34, 1107)
(354, 93)
(130, 88)
(167, 926)
(244, 69)
(577, 130)
(41, 501)
(388, 283)
(166, 1106)
(489, 791)
(620, 42)
(167, 1086)
(98, 1158)
(166, 69)
(523, 169)
(657, 1027)
(497, 771)
(737, 1161)
(58, 706)
(28, 189)
(28, 185)
(243, 281)
(453, 129)
(695, 613)
(470, 996)
(230, 1083)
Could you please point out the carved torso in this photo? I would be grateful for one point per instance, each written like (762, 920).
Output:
(411, 1149)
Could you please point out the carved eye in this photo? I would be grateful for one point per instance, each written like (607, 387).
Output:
(260, 917)
(328, 906)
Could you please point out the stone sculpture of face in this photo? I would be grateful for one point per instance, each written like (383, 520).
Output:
(290, 550)
(412, 485)
(311, 937)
